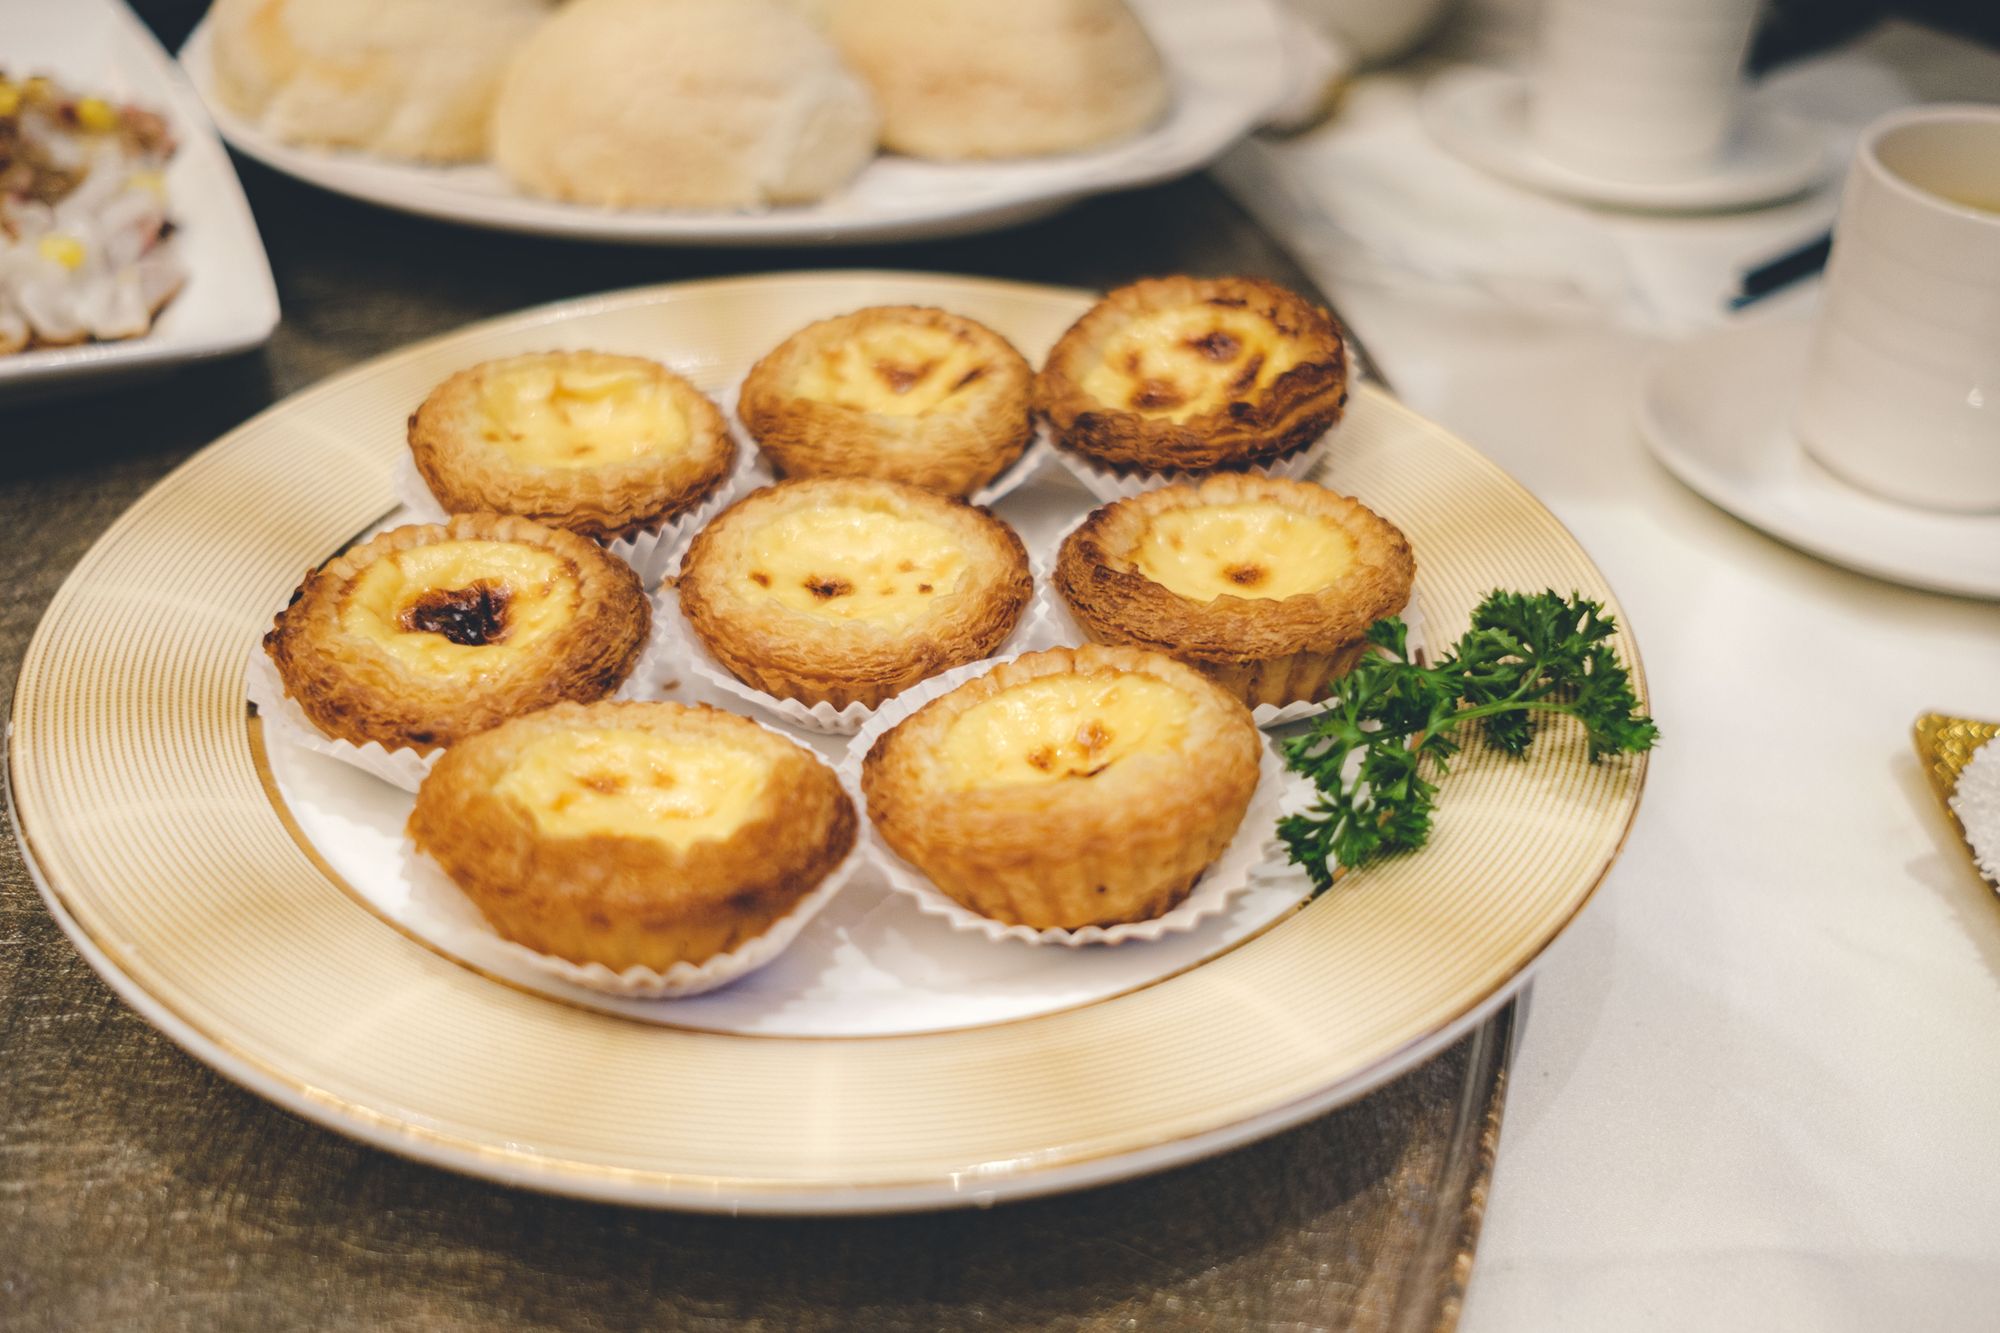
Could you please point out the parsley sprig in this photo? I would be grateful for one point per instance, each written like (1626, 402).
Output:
(1387, 732)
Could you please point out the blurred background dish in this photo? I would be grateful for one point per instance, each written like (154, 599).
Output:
(1717, 411)
(1224, 67)
(408, 79)
(135, 237)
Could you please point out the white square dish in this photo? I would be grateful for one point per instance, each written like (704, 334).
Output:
(229, 302)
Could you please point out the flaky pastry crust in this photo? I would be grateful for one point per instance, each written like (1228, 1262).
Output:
(954, 448)
(469, 473)
(1260, 423)
(796, 655)
(354, 690)
(624, 899)
(1122, 844)
(1262, 650)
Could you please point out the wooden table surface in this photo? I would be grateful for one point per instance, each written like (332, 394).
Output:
(138, 1190)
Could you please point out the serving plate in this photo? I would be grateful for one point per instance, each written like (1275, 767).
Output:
(1226, 62)
(229, 302)
(166, 846)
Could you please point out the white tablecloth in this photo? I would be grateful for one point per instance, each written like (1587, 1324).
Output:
(1759, 1083)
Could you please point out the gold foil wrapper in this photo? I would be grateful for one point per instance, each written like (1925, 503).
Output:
(1944, 747)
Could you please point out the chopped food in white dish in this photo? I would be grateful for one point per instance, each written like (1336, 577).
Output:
(86, 246)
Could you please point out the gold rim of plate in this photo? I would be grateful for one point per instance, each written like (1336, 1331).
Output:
(144, 816)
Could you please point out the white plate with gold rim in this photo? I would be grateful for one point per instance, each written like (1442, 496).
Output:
(1227, 64)
(175, 857)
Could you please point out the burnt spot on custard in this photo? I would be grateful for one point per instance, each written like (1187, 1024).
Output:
(471, 617)
(1154, 394)
(1217, 346)
(760, 578)
(901, 378)
(1247, 376)
(1246, 576)
(826, 588)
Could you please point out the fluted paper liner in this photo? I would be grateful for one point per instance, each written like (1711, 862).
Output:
(286, 723)
(1253, 853)
(1052, 613)
(649, 553)
(682, 646)
(1107, 484)
(1016, 474)
(442, 914)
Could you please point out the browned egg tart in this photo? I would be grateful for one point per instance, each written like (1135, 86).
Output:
(906, 393)
(1067, 788)
(1193, 374)
(629, 834)
(607, 446)
(847, 590)
(427, 634)
(1267, 586)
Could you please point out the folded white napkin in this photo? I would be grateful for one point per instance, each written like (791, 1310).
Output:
(1977, 805)
(1369, 197)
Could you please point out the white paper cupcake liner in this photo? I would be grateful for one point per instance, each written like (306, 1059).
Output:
(442, 914)
(1252, 853)
(649, 553)
(286, 723)
(1107, 485)
(1059, 625)
(1016, 474)
(682, 648)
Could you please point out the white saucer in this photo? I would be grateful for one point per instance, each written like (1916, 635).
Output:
(1482, 116)
(1716, 410)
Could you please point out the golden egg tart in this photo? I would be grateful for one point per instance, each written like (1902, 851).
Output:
(1067, 788)
(626, 834)
(426, 634)
(906, 393)
(846, 590)
(1266, 586)
(602, 445)
(1194, 374)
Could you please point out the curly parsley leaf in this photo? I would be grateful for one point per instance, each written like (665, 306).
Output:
(1385, 736)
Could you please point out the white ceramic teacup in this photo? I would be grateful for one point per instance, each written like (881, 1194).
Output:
(1902, 394)
(1640, 90)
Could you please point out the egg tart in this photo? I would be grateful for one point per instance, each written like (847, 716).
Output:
(627, 834)
(1067, 788)
(427, 634)
(906, 393)
(846, 590)
(606, 446)
(1193, 374)
(1266, 586)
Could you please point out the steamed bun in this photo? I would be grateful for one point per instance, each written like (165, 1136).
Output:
(1002, 78)
(681, 103)
(403, 78)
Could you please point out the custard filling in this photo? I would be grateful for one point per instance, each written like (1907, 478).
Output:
(1180, 363)
(1074, 725)
(634, 784)
(849, 562)
(455, 608)
(546, 413)
(900, 370)
(1242, 550)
